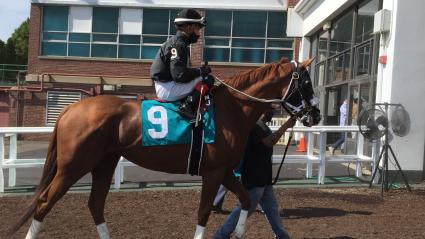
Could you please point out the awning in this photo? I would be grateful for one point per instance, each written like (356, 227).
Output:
(273, 5)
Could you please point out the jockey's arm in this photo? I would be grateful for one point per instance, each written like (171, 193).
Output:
(178, 66)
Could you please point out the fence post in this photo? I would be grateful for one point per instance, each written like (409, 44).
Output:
(322, 158)
(1, 163)
(360, 144)
(310, 148)
(13, 157)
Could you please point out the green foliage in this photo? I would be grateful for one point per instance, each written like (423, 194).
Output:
(15, 51)
(2, 52)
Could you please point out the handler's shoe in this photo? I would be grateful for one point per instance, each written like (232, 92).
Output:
(331, 150)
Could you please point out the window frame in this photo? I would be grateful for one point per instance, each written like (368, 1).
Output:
(116, 43)
(230, 47)
(353, 61)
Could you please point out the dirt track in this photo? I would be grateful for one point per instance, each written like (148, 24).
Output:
(307, 213)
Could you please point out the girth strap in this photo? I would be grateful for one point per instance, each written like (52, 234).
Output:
(196, 149)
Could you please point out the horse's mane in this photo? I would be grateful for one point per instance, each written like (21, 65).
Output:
(245, 79)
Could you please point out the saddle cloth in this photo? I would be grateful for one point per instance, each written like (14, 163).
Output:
(163, 125)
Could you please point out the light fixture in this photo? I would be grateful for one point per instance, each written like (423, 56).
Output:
(326, 26)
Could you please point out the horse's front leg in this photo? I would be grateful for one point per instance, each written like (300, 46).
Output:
(210, 183)
(235, 186)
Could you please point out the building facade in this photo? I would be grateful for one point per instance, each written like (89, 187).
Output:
(83, 48)
(355, 62)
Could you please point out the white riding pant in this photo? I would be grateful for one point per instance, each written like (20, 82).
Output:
(172, 91)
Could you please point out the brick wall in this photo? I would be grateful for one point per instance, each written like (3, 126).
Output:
(292, 3)
(31, 110)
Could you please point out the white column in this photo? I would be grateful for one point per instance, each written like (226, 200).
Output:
(322, 158)
(310, 148)
(12, 156)
(360, 144)
(1, 163)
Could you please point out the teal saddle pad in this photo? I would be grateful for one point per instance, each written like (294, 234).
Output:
(163, 125)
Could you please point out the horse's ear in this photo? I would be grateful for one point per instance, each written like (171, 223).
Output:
(306, 63)
(284, 60)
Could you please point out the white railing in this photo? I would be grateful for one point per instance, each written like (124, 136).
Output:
(313, 156)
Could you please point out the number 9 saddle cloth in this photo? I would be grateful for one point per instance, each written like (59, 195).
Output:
(163, 125)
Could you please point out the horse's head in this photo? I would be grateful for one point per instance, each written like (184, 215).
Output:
(299, 98)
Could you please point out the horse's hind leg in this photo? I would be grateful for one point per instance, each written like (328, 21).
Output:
(59, 185)
(102, 176)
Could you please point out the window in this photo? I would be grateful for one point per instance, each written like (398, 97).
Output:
(323, 46)
(55, 31)
(105, 32)
(156, 27)
(130, 26)
(341, 33)
(246, 37)
(365, 19)
(80, 28)
(339, 58)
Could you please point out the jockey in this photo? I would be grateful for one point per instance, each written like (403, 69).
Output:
(171, 70)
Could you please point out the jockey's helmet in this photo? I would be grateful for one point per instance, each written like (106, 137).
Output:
(189, 16)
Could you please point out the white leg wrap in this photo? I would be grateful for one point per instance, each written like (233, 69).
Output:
(199, 233)
(34, 229)
(240, 227)
(102, 229)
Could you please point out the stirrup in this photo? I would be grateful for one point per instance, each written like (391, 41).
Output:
(194, 120)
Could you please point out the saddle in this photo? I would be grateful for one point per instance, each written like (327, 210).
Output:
(199, 98)
(162, 124)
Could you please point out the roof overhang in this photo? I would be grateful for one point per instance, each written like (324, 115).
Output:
(271, 5)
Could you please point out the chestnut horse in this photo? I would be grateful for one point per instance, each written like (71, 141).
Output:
(90, 136)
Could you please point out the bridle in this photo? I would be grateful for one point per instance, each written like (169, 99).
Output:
(307, 105)
(294, 87)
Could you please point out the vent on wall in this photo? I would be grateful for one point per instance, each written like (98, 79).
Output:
(56, 102)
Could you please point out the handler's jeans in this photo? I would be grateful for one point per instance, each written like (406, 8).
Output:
(340, 141)
(266, 198)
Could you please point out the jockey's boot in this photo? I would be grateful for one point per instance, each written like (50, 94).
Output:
(188, 107)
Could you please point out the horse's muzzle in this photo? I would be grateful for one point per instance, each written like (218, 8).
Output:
(313, 117)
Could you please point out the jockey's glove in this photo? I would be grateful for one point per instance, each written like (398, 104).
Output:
(204, 71)
(208, 80)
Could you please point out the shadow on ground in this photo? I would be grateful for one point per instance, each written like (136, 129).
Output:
(314, 212)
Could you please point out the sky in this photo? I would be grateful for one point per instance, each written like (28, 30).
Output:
(12, 14)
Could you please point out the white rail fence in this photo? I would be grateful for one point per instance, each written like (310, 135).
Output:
(313, 156)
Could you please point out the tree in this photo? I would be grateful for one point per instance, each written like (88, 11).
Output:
(2, 52)
(19, 40)
(10, 53)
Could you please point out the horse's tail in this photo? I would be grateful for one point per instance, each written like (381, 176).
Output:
(49, 171)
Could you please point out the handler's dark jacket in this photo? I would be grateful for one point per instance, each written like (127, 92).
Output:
(257, 162)
(172, 62)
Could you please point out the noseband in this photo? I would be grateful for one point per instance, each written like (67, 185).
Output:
(294, 88)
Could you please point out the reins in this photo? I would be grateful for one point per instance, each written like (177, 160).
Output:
(283, 158)
(295, 76)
